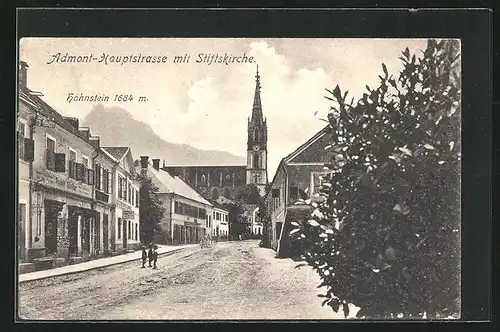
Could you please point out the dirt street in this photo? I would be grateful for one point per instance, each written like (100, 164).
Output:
(234, 280)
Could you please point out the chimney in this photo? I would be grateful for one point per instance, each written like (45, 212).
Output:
(144, 162)
(95, 141)
(73, 121)
(156, 164)
(23, 75)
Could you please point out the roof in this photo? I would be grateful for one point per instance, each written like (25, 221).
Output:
(309, 142)
(117, 152)
(169, 184)
(45, 109)
(217, 205)
(298, 151)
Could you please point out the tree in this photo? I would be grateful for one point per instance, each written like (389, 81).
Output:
(237, 223)
(386, 235)
(151, 210)
(249, 194)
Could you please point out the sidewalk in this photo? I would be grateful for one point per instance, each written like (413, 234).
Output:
(97, 263)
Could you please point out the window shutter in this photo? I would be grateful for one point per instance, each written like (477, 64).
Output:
(119, 187)
(97, 173)
(85, 172)
(59, 162)
(90, 176)
(105, 180)
(21, 145)
(78, 171)
(29, 149)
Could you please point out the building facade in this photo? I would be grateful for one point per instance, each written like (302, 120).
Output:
(212, 181)
(187, 217)
(220, 218)
(68, 200)
(124, 229)
(299, 176)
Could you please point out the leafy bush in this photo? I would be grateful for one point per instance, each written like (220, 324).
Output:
(386, 236)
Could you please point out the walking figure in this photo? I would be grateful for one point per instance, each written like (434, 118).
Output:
(150, 254)
(155, 256)
(144, 257)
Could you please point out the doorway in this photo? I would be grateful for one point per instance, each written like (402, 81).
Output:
(52, 209)
(124, 227)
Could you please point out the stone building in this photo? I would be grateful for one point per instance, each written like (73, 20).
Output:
(188, 215)
(299, 176)
(124, 229)
(69, 187)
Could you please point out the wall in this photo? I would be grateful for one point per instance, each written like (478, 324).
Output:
(56, 186)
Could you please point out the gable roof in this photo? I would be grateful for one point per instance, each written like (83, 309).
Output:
(169, 184)
(304, 146)
(118, 152)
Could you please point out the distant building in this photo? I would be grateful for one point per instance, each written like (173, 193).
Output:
(188, 216)
(220, 217)
(225, 180)
(299, 176)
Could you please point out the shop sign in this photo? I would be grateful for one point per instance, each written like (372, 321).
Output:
(128, 214)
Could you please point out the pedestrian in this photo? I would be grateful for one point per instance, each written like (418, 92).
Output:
(144, 256)
(155, 255)
(150, 254)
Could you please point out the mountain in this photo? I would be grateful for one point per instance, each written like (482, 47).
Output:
(116, 127)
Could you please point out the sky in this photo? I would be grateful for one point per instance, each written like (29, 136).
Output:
(207, 106)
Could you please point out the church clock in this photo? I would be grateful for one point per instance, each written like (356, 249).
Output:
(256, 148)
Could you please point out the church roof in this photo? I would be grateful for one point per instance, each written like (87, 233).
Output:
(257, 105)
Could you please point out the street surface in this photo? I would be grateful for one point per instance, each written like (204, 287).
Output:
(234, 280)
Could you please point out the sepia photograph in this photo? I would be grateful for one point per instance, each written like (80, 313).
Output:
(238, 179)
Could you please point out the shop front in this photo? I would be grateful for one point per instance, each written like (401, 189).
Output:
(83, 231)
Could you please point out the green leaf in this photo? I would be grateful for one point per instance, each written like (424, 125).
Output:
(336, 93)
(406, 53)
(385, 70)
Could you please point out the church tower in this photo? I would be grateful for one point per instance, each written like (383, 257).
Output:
(257, 142)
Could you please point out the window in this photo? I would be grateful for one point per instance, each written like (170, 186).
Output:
(110, 183)
(21, 128)
(102, 176)
(256, 163)
(129, 230)
(50, 152)
(72, 164)
(136, 198)
(136, 232)
(256, 135)
(119, 228)
(294, 193)
(26, 146)
(85, 161)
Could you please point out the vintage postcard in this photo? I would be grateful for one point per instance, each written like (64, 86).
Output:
(238, 179)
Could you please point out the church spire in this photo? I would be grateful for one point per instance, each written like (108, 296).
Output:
(257, 106)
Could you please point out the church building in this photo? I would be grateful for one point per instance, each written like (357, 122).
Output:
(214, 181)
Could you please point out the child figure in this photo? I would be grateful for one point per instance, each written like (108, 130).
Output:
(150, 254)
(155, 256)
(144, 257)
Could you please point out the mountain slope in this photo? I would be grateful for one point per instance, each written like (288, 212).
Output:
(116, 127)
